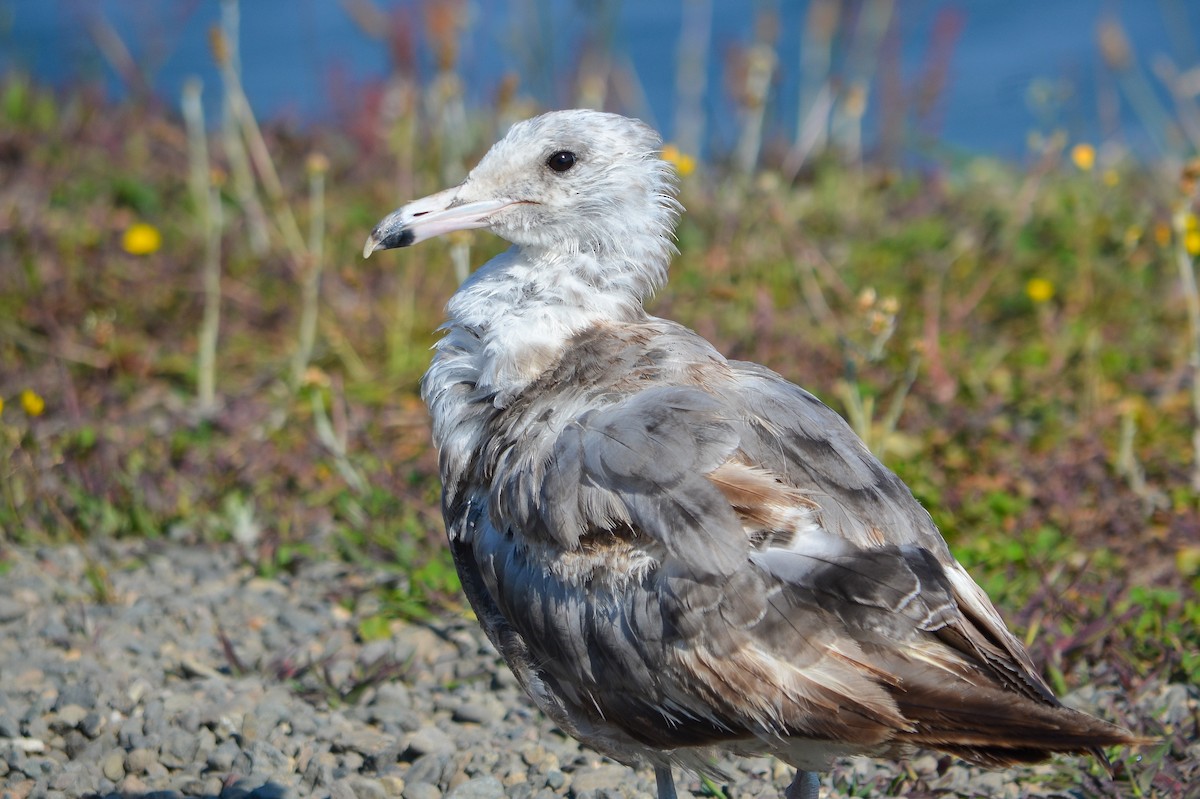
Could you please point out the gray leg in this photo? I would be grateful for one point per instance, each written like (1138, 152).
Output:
(807, 785)
(666, 783)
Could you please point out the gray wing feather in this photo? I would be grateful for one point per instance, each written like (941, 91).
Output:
(792, 433)
(641, 463)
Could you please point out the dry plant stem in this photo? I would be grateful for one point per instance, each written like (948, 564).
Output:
(866, 45)
(816, 89)
(891, 418)
(813, 134)
(627, 88)
(210, 326)
(1186, 110)
(1127, 461)
(341, 346)
(336, 445)
(760, 68)
(255, 143)
(235, 150)
(207, 201)
(401, 348)
(1142, 98)
(258, 226)
(113, 49)
(1191, 296)
(310, 292)
(691, 74)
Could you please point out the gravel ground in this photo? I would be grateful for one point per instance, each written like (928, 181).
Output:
(198, 678)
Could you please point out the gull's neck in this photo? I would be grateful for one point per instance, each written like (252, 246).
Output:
(514, 316)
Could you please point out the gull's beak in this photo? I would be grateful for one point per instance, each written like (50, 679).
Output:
(431, 216)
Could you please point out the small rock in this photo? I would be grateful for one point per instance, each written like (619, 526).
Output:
(341, 790)
(139, 761)
(351, 763)
(92, 724)
(130, 734)
(197, 786)
(533, 754)
(249, 728)
(477, 713)
(555, 779)
(429, 740)
(221, 758)
(71, 783)
(392, 785)
(113, 766)
(421, 790)
(11, 610)
(19, 789)
(479, 788)
(68, 718)
(598, 778)
(367, 788)
(29, 746)
(514, 778)
(38, 767)
(392, 693)
(76, 693)
(266, 759)
(178, 748)
(74, 743)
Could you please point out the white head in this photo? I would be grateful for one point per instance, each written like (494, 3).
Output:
(567, 181)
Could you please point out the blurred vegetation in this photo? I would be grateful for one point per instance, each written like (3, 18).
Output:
(192, 348)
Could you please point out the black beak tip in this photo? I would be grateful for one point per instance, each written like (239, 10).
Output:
(387, 236)
(393, 238)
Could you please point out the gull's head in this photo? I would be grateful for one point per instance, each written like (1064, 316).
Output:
(567, 180)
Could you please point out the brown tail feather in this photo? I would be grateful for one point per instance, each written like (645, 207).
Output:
(994, 728)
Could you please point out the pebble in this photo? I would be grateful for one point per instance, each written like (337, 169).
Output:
(113, 766)
(139, 761)
(421, 790)
(68, 718)
(429, 740)
(11, 610)
(214, 682)
(598, 778)
(478, 788)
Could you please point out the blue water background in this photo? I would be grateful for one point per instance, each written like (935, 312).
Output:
(303, 58)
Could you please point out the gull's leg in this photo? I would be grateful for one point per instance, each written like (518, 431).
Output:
(666, 783)
(807, 785)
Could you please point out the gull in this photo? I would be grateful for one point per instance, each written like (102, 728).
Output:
(678, 554)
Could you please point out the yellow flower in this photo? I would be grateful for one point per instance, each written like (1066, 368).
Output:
(141, 238)
(32, 402)
(1190, 223)
(1084, 156)
(684, 163)
(1191, 242)
(1039, 289)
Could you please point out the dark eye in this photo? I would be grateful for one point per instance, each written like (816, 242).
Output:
(561, 161)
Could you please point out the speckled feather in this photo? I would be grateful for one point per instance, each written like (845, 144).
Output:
(677, 553)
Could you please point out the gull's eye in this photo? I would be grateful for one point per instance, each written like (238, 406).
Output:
(561, 161)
